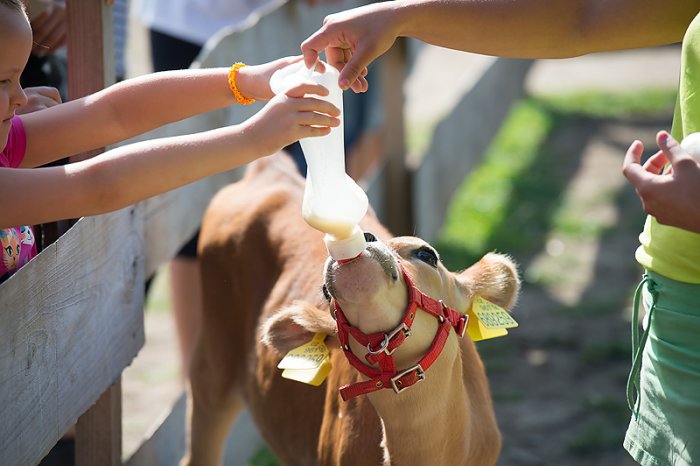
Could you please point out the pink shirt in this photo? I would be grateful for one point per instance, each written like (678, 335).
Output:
(18, 245)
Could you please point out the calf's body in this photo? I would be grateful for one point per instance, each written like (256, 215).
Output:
(262, 270)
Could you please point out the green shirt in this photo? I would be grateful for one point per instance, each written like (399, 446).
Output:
(669, 251)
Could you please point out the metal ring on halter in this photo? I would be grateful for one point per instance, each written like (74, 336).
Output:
(384, 346)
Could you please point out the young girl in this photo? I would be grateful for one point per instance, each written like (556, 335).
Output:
(129, 174)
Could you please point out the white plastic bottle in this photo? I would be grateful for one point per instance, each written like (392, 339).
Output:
(691, 144)
(333, 202)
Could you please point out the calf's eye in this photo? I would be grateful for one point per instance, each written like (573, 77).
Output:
(426, 255)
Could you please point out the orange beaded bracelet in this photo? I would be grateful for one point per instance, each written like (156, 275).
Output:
(232, 84)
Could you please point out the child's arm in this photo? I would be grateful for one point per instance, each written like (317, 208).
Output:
(135, 172)
(135, 106)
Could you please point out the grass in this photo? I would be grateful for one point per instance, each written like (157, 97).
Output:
(263, 457)
(600, 105)
(158, 297)
(480, 207)
(512, 200)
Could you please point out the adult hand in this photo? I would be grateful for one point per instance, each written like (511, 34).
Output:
(49, 30)
(352, 39)
(39, 98)
(673, 196)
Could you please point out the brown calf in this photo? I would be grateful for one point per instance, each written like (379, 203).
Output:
(262, 274)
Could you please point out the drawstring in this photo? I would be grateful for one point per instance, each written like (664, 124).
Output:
(637, 344)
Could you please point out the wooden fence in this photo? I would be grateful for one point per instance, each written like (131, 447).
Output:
(72, 319)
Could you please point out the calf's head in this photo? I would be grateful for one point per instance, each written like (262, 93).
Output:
(371, 295)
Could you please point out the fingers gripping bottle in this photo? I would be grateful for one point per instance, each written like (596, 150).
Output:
(333, 202)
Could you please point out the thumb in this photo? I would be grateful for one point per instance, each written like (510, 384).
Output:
(670, 147)
(631, 168)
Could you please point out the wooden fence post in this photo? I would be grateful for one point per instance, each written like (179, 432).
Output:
(90, 69)
(99, 439)
(90, 51)
(397, 196)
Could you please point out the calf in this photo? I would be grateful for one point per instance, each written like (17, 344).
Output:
(268, 287)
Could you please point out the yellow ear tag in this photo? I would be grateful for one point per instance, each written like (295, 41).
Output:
(487, 320)
(309, 363)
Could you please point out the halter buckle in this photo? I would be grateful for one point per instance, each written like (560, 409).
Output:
(384, 346)
(399, 387)
(461, 327)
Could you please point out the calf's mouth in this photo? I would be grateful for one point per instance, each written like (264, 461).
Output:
(364, 276)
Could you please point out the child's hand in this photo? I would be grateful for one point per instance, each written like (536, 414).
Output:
(39, 98)
(290, 117)
(254, 81)
(671, 195)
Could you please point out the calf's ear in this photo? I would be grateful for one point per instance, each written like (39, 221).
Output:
(295, 325)
(495, 278)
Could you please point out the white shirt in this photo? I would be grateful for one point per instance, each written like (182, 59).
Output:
(194, 20)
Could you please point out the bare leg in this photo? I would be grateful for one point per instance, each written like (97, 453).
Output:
(214, 398)
(186, 293)
(213, 405)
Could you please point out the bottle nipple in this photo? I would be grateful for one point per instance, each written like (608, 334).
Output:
(348, 248)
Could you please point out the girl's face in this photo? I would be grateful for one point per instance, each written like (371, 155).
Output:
(15, 45)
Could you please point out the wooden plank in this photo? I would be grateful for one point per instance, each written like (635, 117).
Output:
(397, 199)
(461, 138)
(90, 52)
(90, 69)
(72, 320)
(90, 47)
(172, 218)
(99, 431)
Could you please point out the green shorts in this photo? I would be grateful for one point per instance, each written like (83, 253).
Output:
(665, 425)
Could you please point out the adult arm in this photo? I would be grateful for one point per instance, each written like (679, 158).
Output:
(510, 28)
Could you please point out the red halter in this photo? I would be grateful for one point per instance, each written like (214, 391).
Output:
(380, 346)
